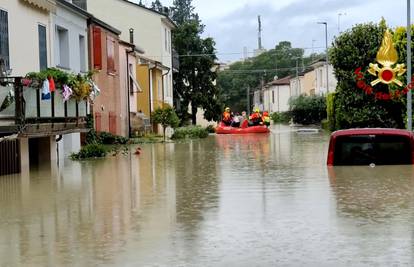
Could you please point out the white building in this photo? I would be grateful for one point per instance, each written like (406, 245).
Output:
(70, 53)
(70, 38)
(276, 95)
(319, 68)
(258, 99)
(152, 33)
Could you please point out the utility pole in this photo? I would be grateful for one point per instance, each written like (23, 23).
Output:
(260, 33)
(248, 101)
(313, 49)
(339, 21)
(409, 74)
(297, 67)
(327, 57)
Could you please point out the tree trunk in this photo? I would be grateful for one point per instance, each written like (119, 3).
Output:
(164, 128)
(194, 114)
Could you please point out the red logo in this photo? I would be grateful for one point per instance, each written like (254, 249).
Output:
(369, 90)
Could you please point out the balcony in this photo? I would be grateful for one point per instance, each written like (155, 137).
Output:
(30, 116)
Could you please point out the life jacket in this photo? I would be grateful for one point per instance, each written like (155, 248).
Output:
(255, 117)
(265, 117)
(226, 116)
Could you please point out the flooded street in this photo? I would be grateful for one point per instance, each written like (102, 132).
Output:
(254, 200)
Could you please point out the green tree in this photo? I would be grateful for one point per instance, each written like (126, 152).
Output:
(194, 83)
(355, 48)
(251, 73)
(165, 116)
(157, 6)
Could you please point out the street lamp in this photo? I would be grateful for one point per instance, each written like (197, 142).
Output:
(327, 58)
(339, 21)
(409, 94)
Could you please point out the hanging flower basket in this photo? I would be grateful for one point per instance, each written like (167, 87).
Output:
(71, 86)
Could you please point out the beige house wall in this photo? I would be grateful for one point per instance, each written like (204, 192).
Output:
(152, 32)
(309, 82)
(23, 21)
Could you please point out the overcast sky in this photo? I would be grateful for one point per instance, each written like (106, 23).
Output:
(233, 23)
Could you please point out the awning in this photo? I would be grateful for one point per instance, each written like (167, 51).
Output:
(134, 81)
(46, 5)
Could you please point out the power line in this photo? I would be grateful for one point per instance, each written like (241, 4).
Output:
(234, 53)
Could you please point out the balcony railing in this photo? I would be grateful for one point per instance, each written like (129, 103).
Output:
(28, 115)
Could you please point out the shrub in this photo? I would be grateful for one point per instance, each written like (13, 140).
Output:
(92, 137)
(90, 151)
(192, 132)
(105, 138)
(165, 116)
(308, 109)
(210, 129)
(356, 48)
(330, 110)
(281, 117)
(110, 139)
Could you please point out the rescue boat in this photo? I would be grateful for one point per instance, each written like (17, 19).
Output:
(223, 129)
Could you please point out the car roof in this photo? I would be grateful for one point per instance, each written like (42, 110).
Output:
(372, 131)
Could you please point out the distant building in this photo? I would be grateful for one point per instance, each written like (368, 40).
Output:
(297, 85)
(276, 95)
(315, 78)
(320, 75)
(309, 82)
(258, 98)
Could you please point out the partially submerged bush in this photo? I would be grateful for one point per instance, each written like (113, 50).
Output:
(90, 151)
(192, 132)
(281, 117)
(105, 138)
(110, 139)
(211, 129)
(308, 109)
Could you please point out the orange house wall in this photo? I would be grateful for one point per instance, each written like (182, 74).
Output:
(107, 105)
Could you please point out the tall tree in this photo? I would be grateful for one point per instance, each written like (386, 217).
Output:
(194, 84)
(277, 62)
(157, 6)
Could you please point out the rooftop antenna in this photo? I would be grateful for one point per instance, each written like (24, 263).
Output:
(260, 33)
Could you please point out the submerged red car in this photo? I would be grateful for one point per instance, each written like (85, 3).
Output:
(371, 146)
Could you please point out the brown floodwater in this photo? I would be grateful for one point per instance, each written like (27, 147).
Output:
(257, 200)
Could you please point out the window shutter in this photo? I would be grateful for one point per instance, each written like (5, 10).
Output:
(110, 48)
(42, 47)
(4, 38)
(97, 48)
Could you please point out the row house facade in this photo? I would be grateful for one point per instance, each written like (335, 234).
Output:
(33, 37)
(152, 32)
(275, 96)
(64, 35)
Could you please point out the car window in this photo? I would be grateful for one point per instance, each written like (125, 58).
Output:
(368, 149)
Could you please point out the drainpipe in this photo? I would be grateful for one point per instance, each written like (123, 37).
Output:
(128, 91)
(131, 40)
(163, 100)
(57, 148)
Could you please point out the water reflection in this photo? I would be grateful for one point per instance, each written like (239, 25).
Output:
(260, 200)
(376, 193)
